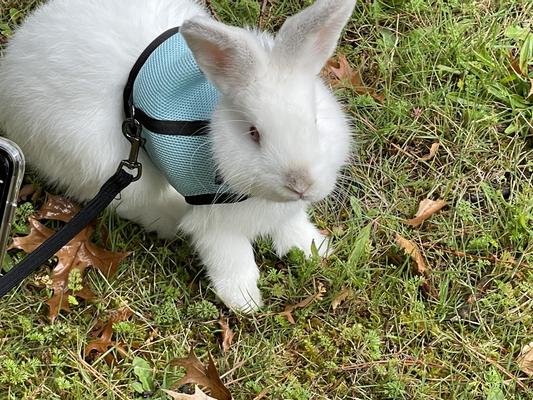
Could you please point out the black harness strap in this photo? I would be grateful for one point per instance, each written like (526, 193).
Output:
(53, 244)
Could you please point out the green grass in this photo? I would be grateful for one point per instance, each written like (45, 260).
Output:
(449, 61)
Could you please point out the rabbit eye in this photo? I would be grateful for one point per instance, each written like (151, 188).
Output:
(254, 133)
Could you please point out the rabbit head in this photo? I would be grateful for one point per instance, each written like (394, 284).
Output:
(269, 140)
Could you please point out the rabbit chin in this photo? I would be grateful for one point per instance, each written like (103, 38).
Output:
(283, 195)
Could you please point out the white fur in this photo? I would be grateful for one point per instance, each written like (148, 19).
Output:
(61, 84)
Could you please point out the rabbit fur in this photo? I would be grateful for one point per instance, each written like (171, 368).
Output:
(61, 83)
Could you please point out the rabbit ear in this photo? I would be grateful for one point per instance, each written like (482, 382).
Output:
(226, 55)
(307, 39)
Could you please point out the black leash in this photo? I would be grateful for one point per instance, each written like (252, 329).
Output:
(114, 185)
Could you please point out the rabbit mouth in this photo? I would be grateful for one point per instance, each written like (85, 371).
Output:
(288, 197)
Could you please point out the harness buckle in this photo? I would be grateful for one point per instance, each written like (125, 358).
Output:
(131, 128)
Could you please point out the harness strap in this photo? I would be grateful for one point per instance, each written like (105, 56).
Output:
(128, 89)
(53, 244)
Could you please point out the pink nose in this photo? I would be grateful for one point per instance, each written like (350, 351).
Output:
(299, 192)
(298, 182)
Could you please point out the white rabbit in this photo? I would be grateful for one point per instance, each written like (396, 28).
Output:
(61, 84)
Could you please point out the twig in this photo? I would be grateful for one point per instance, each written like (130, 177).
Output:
(262, 394)
(489, 360)
(404, 151)
(211, 9)
(492, 259)
(261, 21)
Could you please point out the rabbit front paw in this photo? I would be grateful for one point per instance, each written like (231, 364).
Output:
(241, 294)
(230, 264)
(302, 235)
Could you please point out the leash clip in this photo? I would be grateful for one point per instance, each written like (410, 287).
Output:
(131, 128)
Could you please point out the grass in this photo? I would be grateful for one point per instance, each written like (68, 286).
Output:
(444, 68)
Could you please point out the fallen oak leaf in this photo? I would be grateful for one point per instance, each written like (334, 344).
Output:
(38, 234)
(342, 71)
(197, 373)
(103, 333)
(432, 152)
(198, 395)
(345, 76)
(79, 253)
(319, 295)
(525, 359)
(421, 268)
(104, 260)
(227, 334)
(57, 208)
(426, 209)
(341, 298)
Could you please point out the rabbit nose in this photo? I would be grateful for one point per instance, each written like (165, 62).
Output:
(298, 182)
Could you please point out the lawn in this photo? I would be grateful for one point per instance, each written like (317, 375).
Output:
(457, 73)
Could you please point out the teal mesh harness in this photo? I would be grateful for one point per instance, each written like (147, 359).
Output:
(173, 101)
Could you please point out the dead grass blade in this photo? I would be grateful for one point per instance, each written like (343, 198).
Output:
(525, 360)
(227, 334)
(432, 152)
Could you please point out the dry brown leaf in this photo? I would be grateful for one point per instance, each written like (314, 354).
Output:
(208, 377)
(80, 253)
(60, 299)
(319, 295)
(421, 268)
(432, 152)
(426, 209)
(339, 73)
(343, 72)
(198, 395)
(325, 232)
(413, 251)
(341, 298)
(57, 208)
(227, 334)
(38, 234)
(103, 333)
(525, 360)
(515, 65)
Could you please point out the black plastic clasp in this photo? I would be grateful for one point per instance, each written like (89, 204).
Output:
(131, 128)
